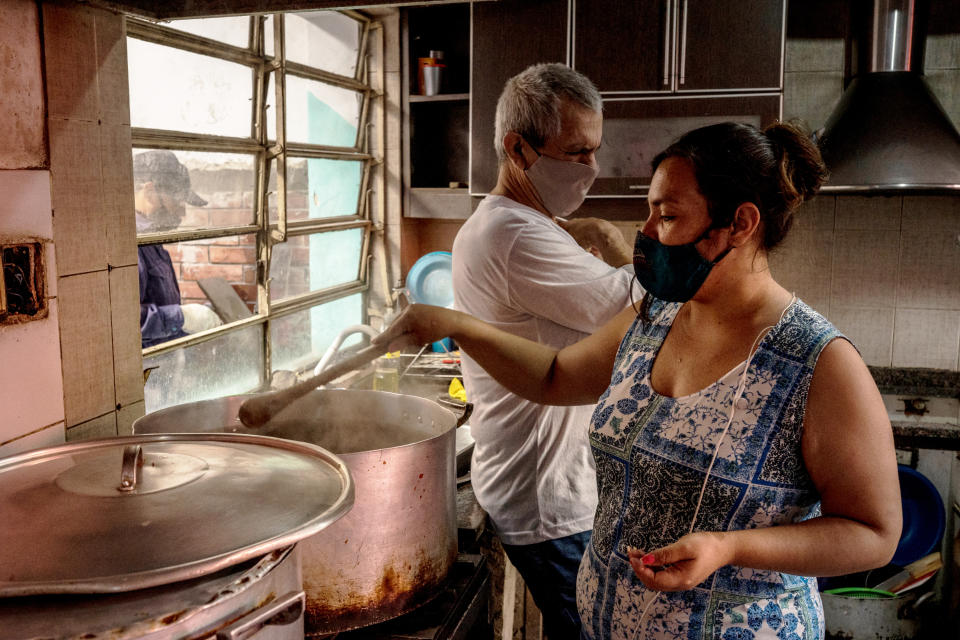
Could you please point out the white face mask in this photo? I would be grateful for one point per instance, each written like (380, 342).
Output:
(561, 185)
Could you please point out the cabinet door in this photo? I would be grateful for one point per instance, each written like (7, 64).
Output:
(623, 46)
(508, 36)
(635, 130)
(730, 45)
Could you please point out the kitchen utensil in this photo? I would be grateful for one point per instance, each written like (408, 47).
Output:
(393, 551)
(924, 517)
(913, 575)
(430, 279)
(257, 410)
(260, 599)
(127, 513)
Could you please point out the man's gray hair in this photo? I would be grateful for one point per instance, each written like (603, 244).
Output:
(530, 102)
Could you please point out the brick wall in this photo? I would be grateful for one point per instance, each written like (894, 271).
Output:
(233, 258)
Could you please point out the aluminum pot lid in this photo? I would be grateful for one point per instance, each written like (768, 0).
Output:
(127, 513)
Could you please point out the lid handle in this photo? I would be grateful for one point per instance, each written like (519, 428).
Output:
(130, 470)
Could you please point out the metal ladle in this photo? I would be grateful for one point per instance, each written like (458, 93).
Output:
(258, 410)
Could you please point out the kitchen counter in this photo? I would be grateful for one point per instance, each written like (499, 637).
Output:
(923, 405)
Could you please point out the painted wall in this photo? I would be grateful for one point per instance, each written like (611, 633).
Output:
(67, 178)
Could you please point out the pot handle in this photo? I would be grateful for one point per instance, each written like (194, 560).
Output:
(130, 468)
(286, 609)
(457, 405)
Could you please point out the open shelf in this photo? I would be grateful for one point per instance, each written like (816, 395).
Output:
(443, 97)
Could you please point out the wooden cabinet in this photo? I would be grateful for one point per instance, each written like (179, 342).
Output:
(508, 36)
(663, 67)
(635, 130)
(679, 45)
(436, 127)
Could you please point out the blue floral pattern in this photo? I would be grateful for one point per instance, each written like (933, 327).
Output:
(652, 454)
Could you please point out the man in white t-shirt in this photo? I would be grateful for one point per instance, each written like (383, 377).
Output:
(518, 264)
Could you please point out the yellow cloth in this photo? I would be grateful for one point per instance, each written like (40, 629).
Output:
(457, 391)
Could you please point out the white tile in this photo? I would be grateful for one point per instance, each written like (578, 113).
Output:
(929, 270)
(931, 213)
(869, 212)
(811, 96)
(818, 214)
(47, 437)
(942, 51)
(25, 206)
(114, 91)
(865, 267)
(126, 417)
(77, 196)
(125, 320)
(870, 330)
(926, 338)
(814, 54)
(87, 346)
(803, 264)
(70, 52)
(31, 382)
(104, 426)
(945, 85)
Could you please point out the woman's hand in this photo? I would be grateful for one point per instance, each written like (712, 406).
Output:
(418, 325)
(683, 564)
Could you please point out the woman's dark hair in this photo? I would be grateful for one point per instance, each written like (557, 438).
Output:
(776, 169)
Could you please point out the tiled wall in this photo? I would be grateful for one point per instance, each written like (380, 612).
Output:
(884, 269)
(92, 197)
(31, 383)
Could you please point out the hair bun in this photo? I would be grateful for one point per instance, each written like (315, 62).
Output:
(802, 171)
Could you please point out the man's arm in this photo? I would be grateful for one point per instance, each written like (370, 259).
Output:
(600, 238)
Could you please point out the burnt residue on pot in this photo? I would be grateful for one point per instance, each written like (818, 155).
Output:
(396, 594)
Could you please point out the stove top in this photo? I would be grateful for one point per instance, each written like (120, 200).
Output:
(458, 612)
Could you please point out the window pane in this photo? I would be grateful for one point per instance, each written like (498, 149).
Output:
(182, 91)
(325, 40)
(318, 188)
(268, 35)
(172, 274)
(192, 189)
(307, 263)
(318, 113)
(233, 30)
(299, 340)
(223, 366)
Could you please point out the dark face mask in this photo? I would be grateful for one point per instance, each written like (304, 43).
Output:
(671, 272)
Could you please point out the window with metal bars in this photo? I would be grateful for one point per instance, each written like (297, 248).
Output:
(252, 174)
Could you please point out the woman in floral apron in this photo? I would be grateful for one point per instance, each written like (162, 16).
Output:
(741, 444)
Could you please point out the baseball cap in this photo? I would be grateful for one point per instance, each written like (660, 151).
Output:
(161, 167)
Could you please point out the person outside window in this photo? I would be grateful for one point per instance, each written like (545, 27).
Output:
(520, 265)
(161, 190)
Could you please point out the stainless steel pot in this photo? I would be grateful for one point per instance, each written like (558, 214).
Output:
(394, 549)
(260, 599)
(163, 536)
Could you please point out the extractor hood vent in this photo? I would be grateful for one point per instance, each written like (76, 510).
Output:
(889, 131)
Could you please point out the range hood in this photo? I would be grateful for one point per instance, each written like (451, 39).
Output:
(889, 131)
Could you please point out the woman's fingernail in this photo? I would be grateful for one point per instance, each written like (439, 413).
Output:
(648, 559)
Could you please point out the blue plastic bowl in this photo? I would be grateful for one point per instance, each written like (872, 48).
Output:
(924, 518)
(430, 280)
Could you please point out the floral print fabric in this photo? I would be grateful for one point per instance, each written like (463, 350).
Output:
(652, 453)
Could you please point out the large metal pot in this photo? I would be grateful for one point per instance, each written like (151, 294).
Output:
(260, 599)
(162, 536)
(394, 549)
